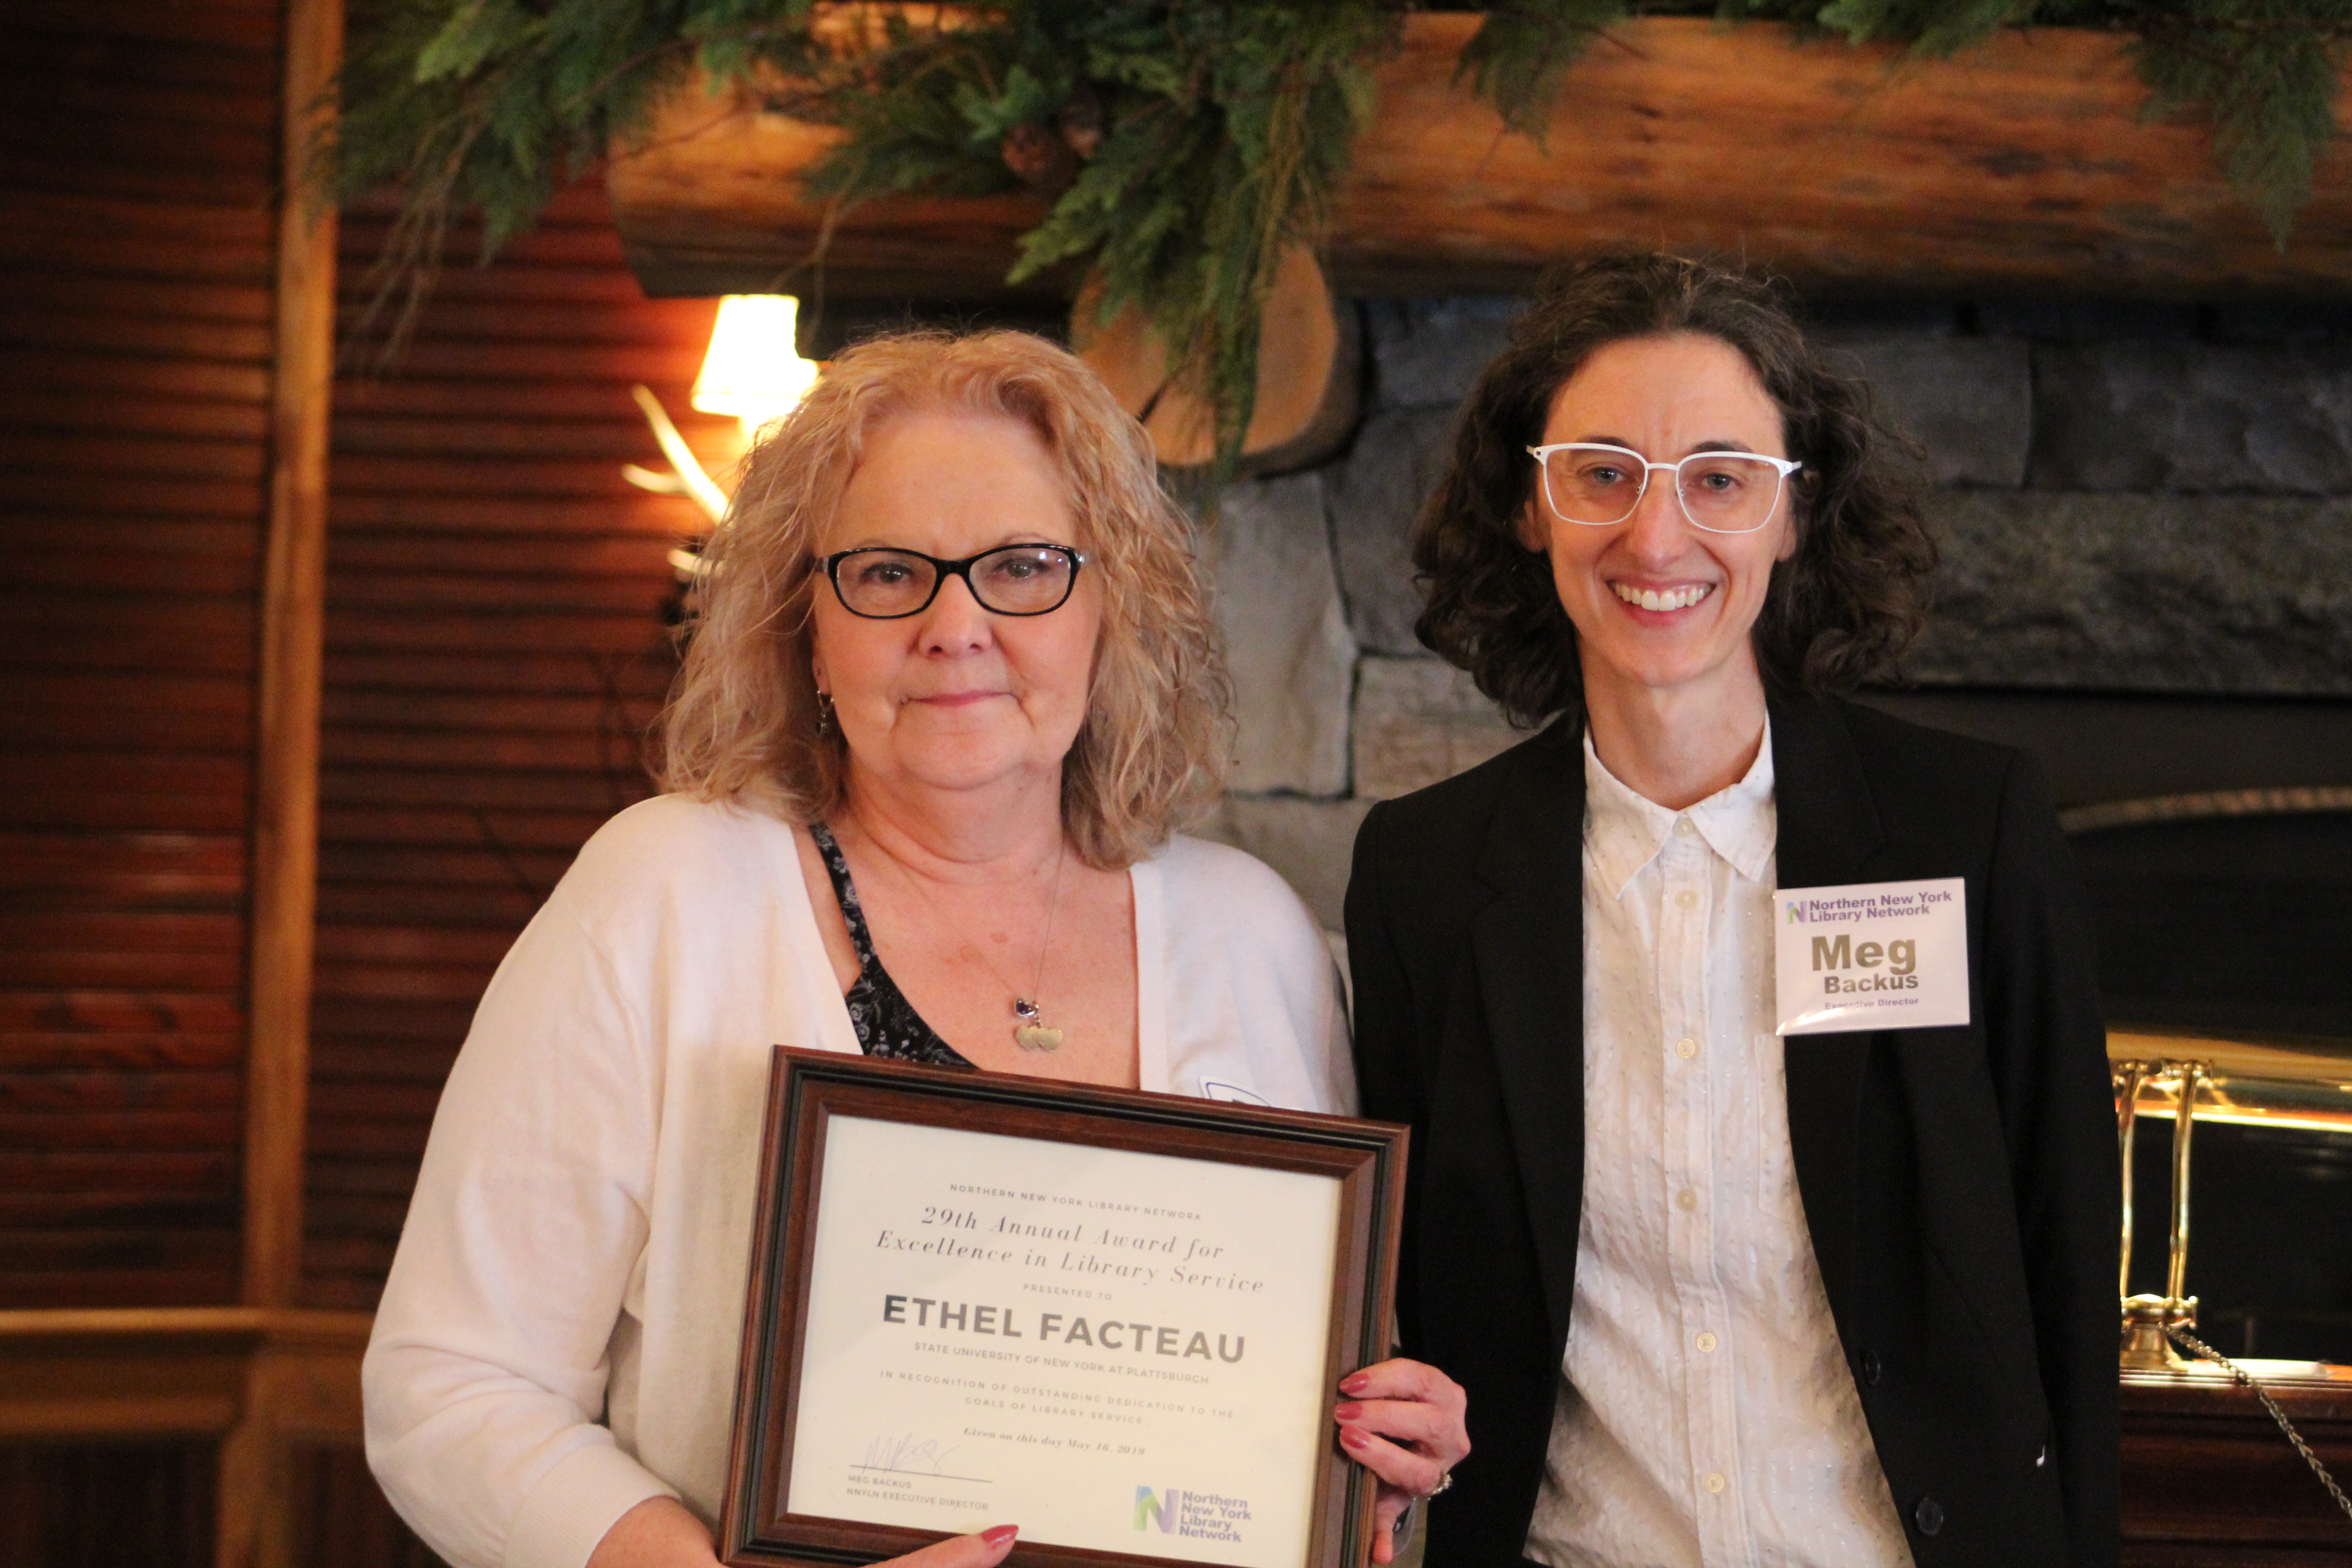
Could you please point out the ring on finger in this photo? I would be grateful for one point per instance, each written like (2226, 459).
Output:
(1444, 1483)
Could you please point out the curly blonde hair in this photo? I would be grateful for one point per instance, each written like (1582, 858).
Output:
(742, 723)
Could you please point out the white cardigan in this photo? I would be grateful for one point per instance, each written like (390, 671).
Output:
(557, 1341)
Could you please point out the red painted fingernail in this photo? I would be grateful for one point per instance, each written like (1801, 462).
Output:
(1348, 1411)
(1354, 1382)
(1000, 1534)
(1355, 1439)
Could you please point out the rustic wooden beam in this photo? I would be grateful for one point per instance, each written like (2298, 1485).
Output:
(711, 204)
(302, 1384)
(1309, 377)
(70, 1373)
(252, 1527)
(261, 1380)
(292, 626)
(2021, 164)
(77, 1374)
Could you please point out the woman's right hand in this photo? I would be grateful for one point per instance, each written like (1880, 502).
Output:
(660, 1534)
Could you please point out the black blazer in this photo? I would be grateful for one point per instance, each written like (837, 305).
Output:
(1960, 1184)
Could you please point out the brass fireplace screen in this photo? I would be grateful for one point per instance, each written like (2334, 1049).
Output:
(2304, 1084)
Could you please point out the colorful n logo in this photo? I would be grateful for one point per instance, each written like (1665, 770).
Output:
(1150, 1506)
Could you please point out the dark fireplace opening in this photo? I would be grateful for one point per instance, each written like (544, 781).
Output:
(2231, 923)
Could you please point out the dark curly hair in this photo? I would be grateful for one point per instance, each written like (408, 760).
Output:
(1842, 609)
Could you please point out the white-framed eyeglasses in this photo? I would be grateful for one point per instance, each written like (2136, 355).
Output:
(1599, 486)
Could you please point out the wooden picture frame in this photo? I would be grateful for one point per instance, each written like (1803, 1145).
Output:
(809, 1090)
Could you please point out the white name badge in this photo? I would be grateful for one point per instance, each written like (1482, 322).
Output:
(1873, 955)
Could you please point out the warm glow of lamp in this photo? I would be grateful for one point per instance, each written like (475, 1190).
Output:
(755, 370)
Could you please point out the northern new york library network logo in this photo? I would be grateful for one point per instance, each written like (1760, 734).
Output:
(1202, 1516)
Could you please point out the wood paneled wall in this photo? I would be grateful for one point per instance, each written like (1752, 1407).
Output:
(340, 1517)
(496, 648)
(138, 159)
(101, 1505)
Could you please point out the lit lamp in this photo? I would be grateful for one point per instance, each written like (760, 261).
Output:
(753, 371)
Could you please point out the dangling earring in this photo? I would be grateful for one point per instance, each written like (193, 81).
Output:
(824, 723)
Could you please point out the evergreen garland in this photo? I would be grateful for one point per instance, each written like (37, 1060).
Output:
(1183, 145)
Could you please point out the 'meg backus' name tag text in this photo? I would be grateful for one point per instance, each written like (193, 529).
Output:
(1871, 955)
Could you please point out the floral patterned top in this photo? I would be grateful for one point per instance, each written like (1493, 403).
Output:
(886, 1022)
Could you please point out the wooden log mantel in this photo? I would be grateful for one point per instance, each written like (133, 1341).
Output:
(2020, 166)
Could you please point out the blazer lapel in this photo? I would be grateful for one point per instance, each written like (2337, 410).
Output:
(1828, 829)
(1528, 948)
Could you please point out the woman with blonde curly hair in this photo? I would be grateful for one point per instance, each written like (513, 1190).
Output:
(954, 688)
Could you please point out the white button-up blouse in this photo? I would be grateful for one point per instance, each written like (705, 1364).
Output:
(1705, 1412)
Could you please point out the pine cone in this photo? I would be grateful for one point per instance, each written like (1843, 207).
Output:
(1081, 121)
(1044, 162)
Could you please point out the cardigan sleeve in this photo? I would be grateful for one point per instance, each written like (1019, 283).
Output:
(486, 1376)
(2047, 1049)
(1246, 983)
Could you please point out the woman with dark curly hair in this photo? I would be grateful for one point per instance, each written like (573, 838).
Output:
(1719, 1294)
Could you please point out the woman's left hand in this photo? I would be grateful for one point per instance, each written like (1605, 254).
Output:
(1401, 1421)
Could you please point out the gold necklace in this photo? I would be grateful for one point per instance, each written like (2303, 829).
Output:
(1030, 1030)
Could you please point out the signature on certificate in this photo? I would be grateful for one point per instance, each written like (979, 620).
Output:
(908, 1454)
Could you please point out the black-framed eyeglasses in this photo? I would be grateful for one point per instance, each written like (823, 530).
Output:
(885, 585)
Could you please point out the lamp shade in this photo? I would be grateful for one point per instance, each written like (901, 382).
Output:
(755, 370)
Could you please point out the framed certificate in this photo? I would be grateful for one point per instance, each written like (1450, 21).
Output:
(1116, 1319)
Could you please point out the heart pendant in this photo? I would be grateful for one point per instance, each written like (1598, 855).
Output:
(1037, 1037)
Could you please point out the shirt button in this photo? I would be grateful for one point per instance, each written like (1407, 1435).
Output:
(1683, 825)
(1706, 1343)
(1686, 899)
(1716, 1483)
(1686, 1048)
(1928, 1516)
(1686, 1200)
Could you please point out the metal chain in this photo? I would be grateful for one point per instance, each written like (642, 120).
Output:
(2182, 1337)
